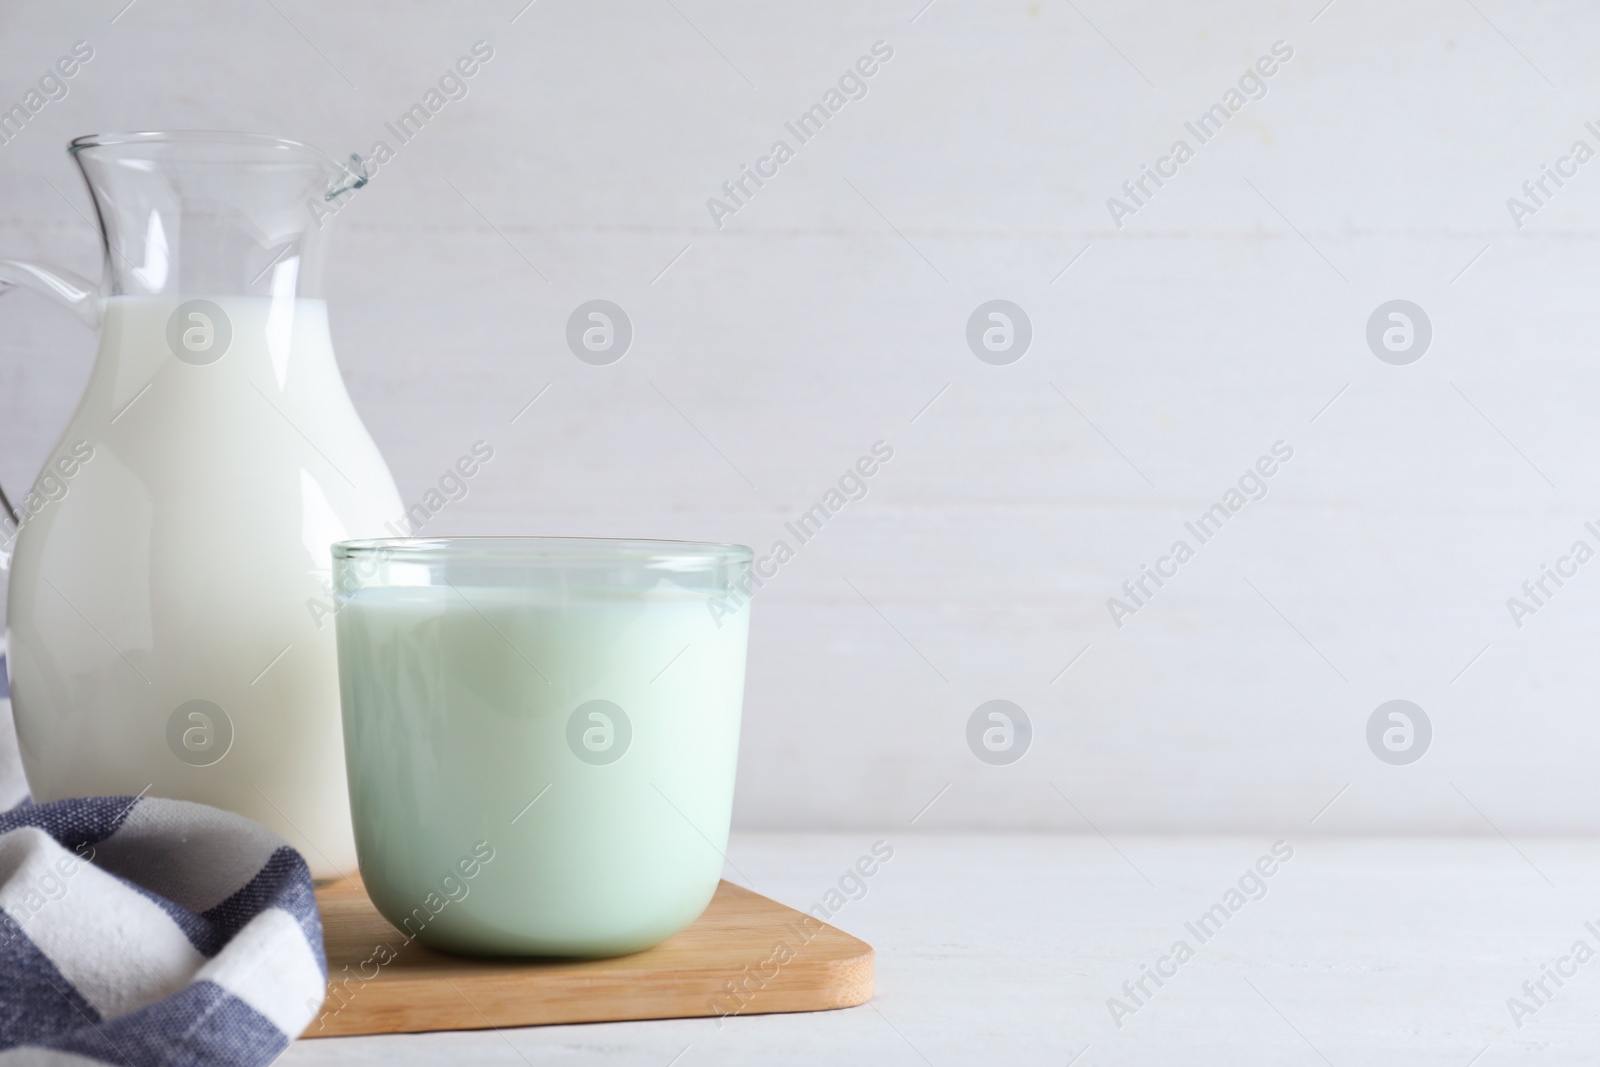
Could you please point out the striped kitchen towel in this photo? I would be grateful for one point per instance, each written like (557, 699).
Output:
(139, 931)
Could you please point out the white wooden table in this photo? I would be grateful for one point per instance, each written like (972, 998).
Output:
(1005, 949)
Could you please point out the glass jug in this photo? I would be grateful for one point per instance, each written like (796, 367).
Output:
(170, 611)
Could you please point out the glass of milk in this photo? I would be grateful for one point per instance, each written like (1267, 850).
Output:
(541, 735)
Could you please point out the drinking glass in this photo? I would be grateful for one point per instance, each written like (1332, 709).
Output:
(541, 734)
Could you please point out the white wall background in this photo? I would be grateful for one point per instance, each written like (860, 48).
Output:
(1224, 316)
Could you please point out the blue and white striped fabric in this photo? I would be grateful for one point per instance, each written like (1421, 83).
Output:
(144, 931)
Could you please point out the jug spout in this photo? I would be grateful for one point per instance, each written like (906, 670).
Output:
(231, 214)
(349, 177)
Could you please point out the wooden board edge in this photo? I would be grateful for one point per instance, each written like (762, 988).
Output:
(855, 980)
(850, 973)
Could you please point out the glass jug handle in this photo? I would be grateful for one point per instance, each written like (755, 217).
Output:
(78, 295)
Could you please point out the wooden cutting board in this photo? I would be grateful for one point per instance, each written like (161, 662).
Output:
(776, 959)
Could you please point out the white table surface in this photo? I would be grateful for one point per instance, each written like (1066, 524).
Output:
(1005, 948)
